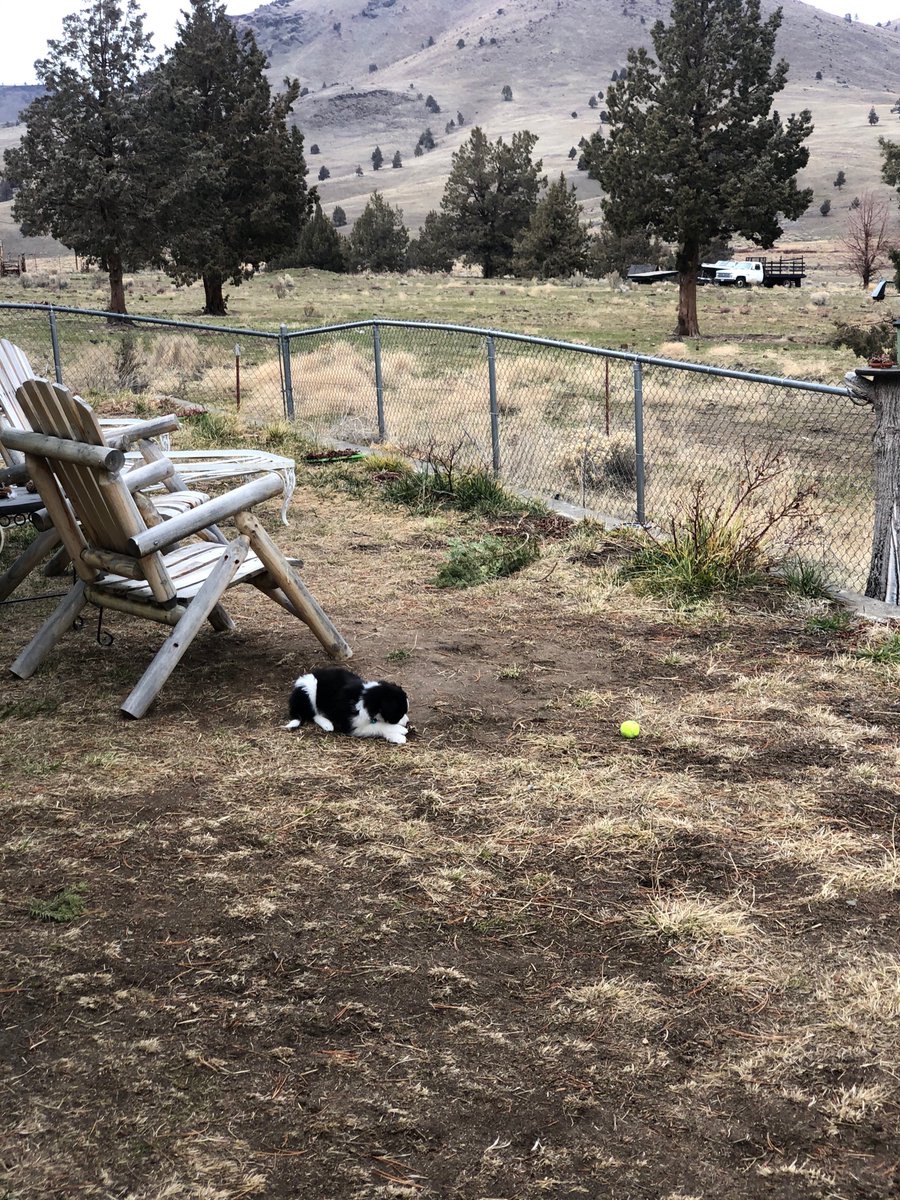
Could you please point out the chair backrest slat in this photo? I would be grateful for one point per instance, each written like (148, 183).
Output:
(103, 505)
(14, 370)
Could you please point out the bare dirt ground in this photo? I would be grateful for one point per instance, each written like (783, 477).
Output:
(519, 957)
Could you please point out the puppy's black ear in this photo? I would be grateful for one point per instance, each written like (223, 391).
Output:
(388, 701)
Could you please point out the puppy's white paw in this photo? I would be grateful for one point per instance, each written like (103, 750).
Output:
(324, 723)
(396, 736)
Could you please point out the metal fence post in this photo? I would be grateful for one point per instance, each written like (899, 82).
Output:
(379, 382)
(284, 345)
(54, 339)
(639, 442)
(495, 415)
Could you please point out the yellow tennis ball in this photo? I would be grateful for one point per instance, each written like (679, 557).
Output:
(629, 729)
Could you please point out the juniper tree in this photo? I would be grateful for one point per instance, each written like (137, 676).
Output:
(320, 245)
(338, 217)
(86, 169)
(238, 193)
(377, 159)
(694, 149)
(555, 243)
(379, 238)
(431, 251)
(489, 197)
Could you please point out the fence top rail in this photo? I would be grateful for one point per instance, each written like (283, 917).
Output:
(580, 347)
(638, 360)
(134, 318)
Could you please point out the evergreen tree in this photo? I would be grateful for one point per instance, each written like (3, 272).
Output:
(432, 105)
(320, 245)
(338, 217)
(489, 197)
(839, 180)
(610, 252)
(825, 207)
(396, 161)
(379, 238)
(694, 151)
(507, 92)
(873, 116)
(431, 250)
(426, 139)
(555, 243)
(377, 159)
(238, 191)
(324, 173)
(592, 103)
(86, 170)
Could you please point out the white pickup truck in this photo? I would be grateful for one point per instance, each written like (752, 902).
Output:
(775, 272)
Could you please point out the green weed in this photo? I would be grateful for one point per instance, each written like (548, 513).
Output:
(727, 546)
(887, 651)
(838, 621)
(67, 905)
(472, 563)
(806, 578)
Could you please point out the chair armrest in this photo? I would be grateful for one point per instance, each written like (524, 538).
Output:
(206, 514)
(108, 458)
(148, 474)
(136, 430)
(17, 474)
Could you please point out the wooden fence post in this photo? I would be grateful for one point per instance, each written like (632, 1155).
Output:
(880, 387)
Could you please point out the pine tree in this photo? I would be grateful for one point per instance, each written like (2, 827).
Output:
(324, 173)
(396, 161)
(320, 245)
(873, 116)
(431, 251)
(238, 191)
(426, 139)
(87, 169)
(839, 180)
(338, 217)
(555, 243)
(377, 159)
(507, 92)
(694, 151)
(489, 197)
(379, 239)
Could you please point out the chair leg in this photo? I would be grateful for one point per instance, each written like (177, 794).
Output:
(50, 632)
(58, 564)
(174, 647)
(305, 604)
(220, 620)
(36, 552)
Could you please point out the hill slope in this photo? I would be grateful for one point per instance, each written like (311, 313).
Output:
(555, 54)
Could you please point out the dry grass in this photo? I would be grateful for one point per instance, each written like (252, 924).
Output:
(521, 956)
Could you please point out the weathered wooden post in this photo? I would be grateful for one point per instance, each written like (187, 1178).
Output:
(880, 387)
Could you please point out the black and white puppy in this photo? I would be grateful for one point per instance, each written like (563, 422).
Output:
(336, 699)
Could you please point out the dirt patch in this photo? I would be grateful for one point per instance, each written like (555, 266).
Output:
(519, 957)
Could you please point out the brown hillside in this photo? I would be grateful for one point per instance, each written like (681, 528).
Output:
(555, 54)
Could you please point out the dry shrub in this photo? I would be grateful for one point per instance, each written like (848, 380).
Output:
(601, 464)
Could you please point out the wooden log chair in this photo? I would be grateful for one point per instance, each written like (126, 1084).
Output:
(140, 439)
(125, 564)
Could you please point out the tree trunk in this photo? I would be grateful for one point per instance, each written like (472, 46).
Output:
(116, 284)
(688, 264)
(215, 301)
(884, 565)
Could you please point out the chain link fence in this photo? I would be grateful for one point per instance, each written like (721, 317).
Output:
(612, 432)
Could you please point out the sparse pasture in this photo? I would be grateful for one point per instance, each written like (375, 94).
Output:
(519, 957)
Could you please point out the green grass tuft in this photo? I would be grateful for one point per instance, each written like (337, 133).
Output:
(67, 905)
(887, 651)
(473, 563)
(806, 578)
(838, 621)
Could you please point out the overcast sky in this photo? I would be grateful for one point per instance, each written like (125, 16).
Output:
(26, 26)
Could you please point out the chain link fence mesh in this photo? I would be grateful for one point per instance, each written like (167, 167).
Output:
(555, 420)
